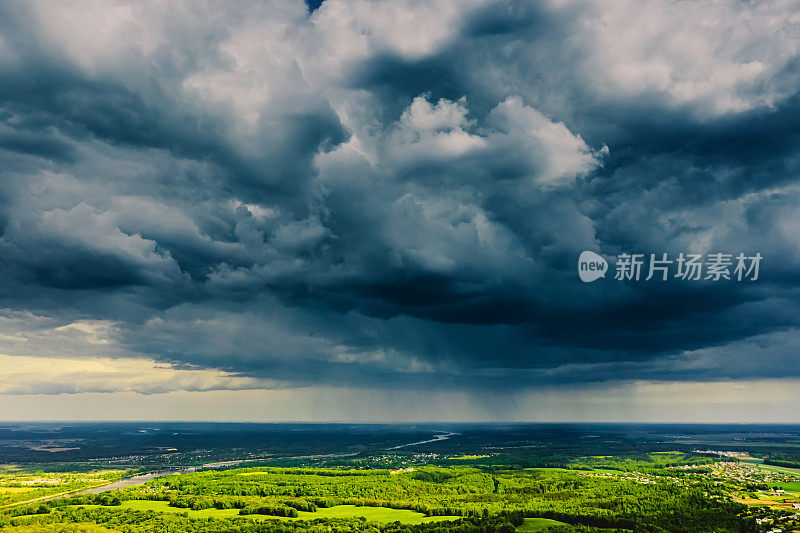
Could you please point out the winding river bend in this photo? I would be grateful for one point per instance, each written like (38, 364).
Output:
(436, 438)
(141, 479)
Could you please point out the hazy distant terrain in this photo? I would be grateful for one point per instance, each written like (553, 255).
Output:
(194, 443)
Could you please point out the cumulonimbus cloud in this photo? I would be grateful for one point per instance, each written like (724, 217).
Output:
(394, 193)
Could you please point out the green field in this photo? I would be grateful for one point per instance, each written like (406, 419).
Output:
(163, 507)
(781, 469)
(750, 460)
(793, 486)
(86, 527)
(372, 514)
(551, 469)
(538, 524)
(18, 486)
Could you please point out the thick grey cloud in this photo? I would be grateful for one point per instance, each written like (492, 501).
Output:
(396, 193)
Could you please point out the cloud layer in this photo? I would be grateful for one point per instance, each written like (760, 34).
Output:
(395, 194)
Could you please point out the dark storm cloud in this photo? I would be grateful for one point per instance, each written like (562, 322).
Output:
(311, 195)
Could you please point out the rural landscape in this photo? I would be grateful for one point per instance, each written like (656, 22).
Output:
(370, 478)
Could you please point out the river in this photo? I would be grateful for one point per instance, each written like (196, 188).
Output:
(135, 480)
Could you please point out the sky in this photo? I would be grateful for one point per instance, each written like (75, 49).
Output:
(373, 210)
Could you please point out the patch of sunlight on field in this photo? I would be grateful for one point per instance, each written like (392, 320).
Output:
(793, 486)
(374, 514)
(559, 469)
(781, 469)
(748, 459)
(15, 489)
(538, 524)
(78, 527)
(468, 457)
(164, 507)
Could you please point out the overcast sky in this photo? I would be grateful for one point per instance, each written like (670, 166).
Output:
(374, 210)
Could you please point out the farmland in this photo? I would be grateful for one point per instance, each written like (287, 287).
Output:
(20, 485)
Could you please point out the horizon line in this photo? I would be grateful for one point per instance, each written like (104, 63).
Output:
(394, 423)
